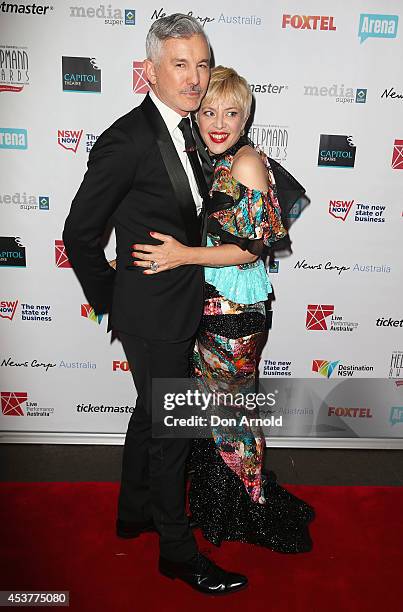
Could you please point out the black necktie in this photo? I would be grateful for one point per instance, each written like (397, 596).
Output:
(191, 151)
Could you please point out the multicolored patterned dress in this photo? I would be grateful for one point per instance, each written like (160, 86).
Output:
(229, 497)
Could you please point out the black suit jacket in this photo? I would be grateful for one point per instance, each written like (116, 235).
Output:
(136, 180)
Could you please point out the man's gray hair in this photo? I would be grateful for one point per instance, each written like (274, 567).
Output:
(176, 25)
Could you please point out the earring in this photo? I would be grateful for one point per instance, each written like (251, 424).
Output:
(242, 132)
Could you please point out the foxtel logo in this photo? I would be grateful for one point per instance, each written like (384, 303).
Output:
(69, 139)
(309, 22)
(120, 365)
(7, 309)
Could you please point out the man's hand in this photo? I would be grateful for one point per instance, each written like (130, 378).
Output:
(168, 255)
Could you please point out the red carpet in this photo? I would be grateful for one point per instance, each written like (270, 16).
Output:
(60, 536)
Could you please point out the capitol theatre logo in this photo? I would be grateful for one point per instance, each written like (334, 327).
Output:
(69, 139)
(316, 316)
(12, 252)
(12, 403)
(81, 74)
(336, 151)
(377, 26)
(140, 83)
(61, 259)
(397, 156)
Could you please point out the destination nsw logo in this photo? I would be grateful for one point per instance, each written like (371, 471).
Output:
(14, 68)
(317, 319)
(88, 312)
(12, 252)
(336, 151)
(81, 74)
(328, 368)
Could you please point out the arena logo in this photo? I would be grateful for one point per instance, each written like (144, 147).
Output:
(317, 316)
(12, 252)
(396, 415)
(272, 367)
(34, 363)
(13, 138)
(90, 140)
(157, 14)
(61, 258)
(8, 308)
(111, 16)
(81, 74)
(396, 365)
(328, 266)
(268, 88)
(123, 366)
(15, 403)
(327, 368)
(342, 411)
(392, 94)
(336, 151)
(88, 312)
(253, 20)
(364, 212)
(25, 9)
(389, 322)
(272, 139)
(25, 202)
(309, 22)
(90, 408)
(377, 26)
(69, 139)
(397, 155)
(338, 92)
(140, 83)
(14, 66)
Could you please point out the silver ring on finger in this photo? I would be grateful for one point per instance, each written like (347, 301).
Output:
(153, 266)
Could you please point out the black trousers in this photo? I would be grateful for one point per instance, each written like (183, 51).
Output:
(153, 469)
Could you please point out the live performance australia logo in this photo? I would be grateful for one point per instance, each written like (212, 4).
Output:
(61, 259)
(272, 139)
(14, 68)
(336, 151)
(397, 155)
(106, 13)
(339, 93)
(17, 403)
(23, 201)
(81, 74)
(321, 317)
(12, 252)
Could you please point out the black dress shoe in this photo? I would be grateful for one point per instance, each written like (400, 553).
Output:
(132, 529)
(203, 575)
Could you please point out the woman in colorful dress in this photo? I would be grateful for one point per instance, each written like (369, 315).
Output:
(230, 498)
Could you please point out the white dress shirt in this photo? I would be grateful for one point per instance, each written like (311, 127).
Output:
(172, 120)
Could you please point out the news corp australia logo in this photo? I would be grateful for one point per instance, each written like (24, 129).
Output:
(105, 12)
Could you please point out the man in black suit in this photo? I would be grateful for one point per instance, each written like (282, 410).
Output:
(140, 177)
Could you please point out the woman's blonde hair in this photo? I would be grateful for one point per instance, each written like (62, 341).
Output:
(227, 84)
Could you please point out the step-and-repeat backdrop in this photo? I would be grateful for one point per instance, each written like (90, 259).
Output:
(327, 80)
